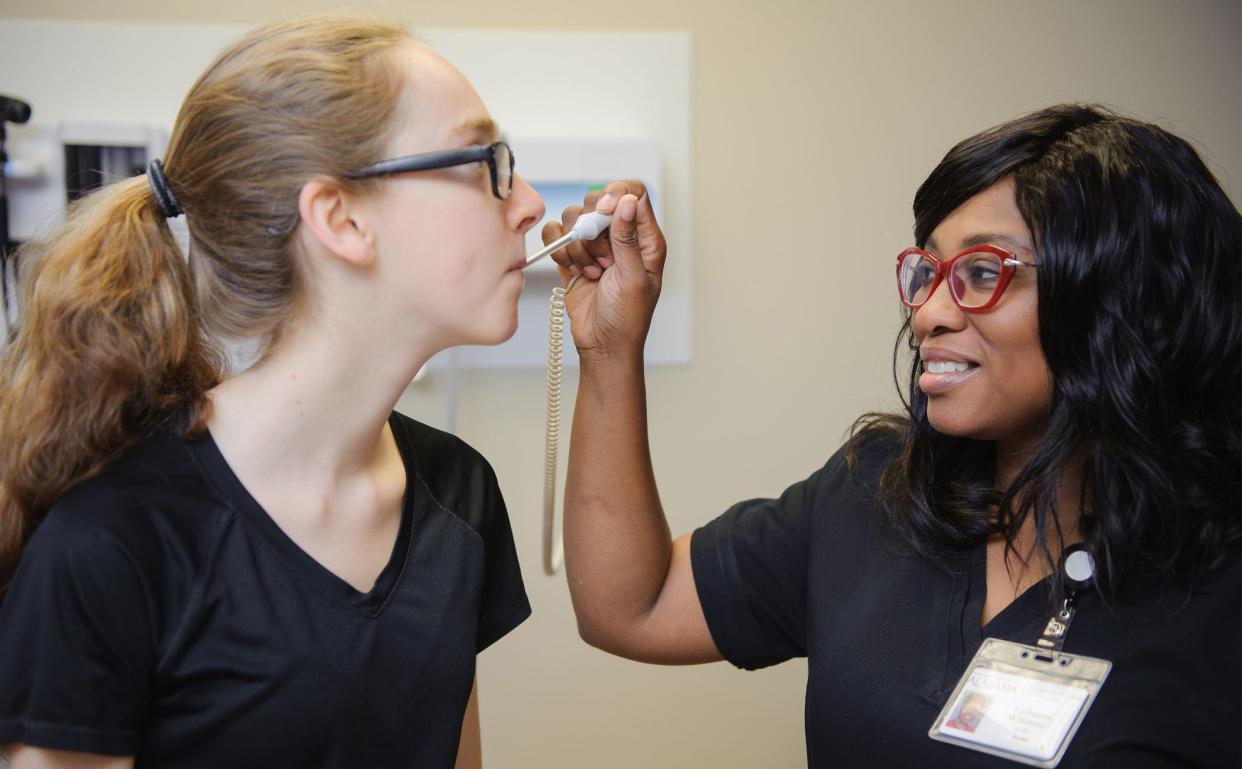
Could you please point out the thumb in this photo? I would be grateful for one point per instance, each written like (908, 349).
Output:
(623, 236)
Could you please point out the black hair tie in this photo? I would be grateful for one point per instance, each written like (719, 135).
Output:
(164, 197)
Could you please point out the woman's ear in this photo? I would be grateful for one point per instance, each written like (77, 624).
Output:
(334, 219)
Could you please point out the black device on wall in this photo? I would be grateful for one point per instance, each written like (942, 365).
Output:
(88, 167)
(11, 111)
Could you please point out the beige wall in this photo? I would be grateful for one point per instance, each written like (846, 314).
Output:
(814, 123)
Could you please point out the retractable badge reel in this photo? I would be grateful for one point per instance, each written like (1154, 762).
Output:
(1025, 703)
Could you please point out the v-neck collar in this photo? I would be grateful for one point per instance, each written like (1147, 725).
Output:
(961, 610)
(234, 494)
(1017, 617)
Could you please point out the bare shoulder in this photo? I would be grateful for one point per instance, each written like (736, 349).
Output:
(29, 757)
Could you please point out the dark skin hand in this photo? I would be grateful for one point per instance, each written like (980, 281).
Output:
(632, 586)
(611, 308)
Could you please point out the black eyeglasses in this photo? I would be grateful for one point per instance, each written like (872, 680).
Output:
(497, 155)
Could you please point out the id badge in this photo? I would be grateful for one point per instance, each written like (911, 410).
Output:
(1019, 702)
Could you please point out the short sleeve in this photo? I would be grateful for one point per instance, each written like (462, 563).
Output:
(76, 655)
(750, 569)
(503, 605)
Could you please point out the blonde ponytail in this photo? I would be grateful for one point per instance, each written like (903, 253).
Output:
(109, 349)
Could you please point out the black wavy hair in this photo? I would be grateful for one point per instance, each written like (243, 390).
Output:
(1140, 285)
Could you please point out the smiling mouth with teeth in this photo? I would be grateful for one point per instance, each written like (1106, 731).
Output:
(944, 367)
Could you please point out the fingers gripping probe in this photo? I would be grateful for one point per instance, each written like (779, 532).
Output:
(588, 227)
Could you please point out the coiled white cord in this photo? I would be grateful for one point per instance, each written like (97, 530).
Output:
(553, 538)
(587, 227)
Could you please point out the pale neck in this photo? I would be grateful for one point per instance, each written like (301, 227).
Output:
(316, 405)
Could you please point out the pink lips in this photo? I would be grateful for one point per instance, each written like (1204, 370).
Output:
(935, 384)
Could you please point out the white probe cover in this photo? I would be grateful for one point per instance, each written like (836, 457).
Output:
(589, 226)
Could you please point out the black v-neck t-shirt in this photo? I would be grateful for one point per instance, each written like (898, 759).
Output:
(159, 612)
(887, 636)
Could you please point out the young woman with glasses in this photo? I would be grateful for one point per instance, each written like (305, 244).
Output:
(1074, 314)
(270, 568)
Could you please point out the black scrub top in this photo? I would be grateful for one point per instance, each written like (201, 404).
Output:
(887, 636)
(158, 611)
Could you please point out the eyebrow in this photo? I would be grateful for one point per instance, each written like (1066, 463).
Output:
(1017, 245)
(479, 128)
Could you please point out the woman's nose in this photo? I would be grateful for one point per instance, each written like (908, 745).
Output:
(526, 208)
(938, 313)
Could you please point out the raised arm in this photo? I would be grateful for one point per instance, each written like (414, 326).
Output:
(632, 586)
